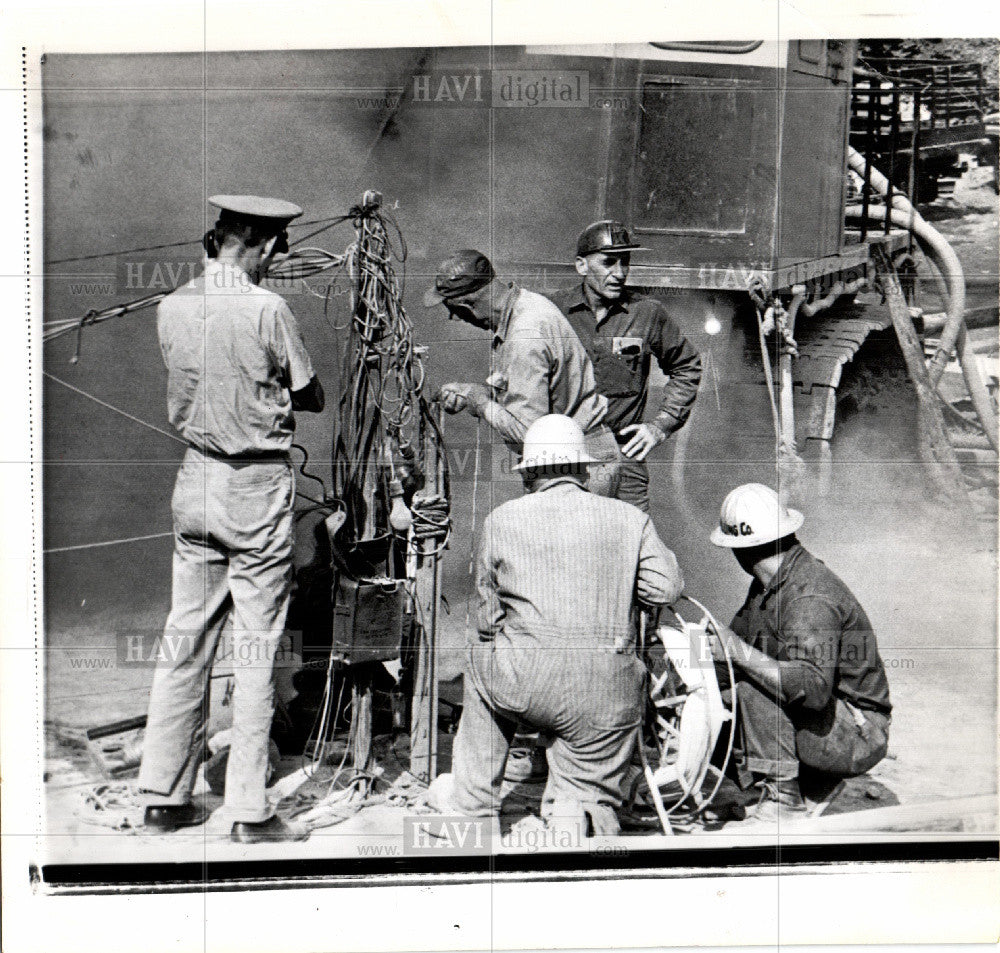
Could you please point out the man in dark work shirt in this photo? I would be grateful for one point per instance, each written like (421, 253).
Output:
(811, 685)
(623, 333)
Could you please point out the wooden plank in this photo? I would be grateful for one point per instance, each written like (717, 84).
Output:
(978, 813)
(934, 448)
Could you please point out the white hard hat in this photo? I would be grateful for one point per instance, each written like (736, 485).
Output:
(753, 514)
(554, 441)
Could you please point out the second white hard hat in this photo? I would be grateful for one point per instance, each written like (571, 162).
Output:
(752, 515)
(554, 440)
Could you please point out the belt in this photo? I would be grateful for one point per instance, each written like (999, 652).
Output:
(261, 456)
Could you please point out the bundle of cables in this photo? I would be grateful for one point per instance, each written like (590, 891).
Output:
(381, 424)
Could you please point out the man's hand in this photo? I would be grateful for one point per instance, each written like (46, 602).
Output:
(644, 438)
(456, 397)
(716, 644)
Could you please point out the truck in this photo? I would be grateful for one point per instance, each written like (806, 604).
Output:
(932, 109)
(731, 162)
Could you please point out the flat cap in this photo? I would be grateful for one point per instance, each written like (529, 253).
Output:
(605, 236)
(256, 206)
(467, 270)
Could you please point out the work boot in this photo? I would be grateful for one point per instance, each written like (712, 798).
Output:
(167, 818)
(273, 830)
(526, 764)
(779, 799)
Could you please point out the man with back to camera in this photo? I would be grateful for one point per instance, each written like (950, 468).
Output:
(559, 574)
(237, 369)
(811, 686)
(538, 364)
(622, 333)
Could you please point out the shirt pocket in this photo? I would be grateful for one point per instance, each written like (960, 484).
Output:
(618, 375)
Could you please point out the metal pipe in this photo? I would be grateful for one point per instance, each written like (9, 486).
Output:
(893, 146)
(941, 255)
(951, 266)
(985, 316)
(869, 165)
(785, 382)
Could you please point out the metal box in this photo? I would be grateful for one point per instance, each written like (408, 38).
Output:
(368, 619)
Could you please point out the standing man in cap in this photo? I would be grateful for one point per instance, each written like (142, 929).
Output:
(811, 685)
(538, 364)
(622, 334)
(559, 572)
(237, 368)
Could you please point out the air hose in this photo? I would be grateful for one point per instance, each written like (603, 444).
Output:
(942, 256)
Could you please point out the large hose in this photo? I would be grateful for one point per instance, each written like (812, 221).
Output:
(943, 257)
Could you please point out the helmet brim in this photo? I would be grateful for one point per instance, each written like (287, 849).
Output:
(610, 250)
(432, 298)
(785, 527)
(533, 464)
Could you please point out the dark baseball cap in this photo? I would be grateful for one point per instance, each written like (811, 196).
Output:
(465, 271)
(605, 236)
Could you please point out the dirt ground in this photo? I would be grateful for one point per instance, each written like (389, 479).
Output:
(927, 578)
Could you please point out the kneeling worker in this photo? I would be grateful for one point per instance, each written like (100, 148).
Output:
(811, 685)
(558, 573)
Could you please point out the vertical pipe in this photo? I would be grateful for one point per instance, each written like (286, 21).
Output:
(948, 91)
(918, 99)
(893, 147)
(869, 155)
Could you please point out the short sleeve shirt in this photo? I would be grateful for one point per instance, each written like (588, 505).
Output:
(234, 353)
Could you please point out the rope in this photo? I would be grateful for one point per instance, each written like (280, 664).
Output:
(193, 241)
(769, 377)
(112, 407)
(109, 542)
(165, 433)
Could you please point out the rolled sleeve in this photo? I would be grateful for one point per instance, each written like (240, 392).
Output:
(510, 429)
(289, 349)
(659, 579)
(810, 635)
(679, 360)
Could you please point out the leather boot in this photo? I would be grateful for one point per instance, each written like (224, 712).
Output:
(273, 830)
(779, 798)
(167, 818)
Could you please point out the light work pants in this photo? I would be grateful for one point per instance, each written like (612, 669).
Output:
(589, 699)
(233, 555)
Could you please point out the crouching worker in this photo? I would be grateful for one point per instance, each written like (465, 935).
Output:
(558, 574)
(811, 687)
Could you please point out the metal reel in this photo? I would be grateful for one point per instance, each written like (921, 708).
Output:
(686, 712)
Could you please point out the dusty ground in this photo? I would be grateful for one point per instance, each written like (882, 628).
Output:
(927, 580)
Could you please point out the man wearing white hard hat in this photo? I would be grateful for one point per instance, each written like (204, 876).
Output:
(237, 368)
(811, 686)
(559, 573)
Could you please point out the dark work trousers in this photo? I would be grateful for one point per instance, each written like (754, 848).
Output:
(840, 739)
(633, 483)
